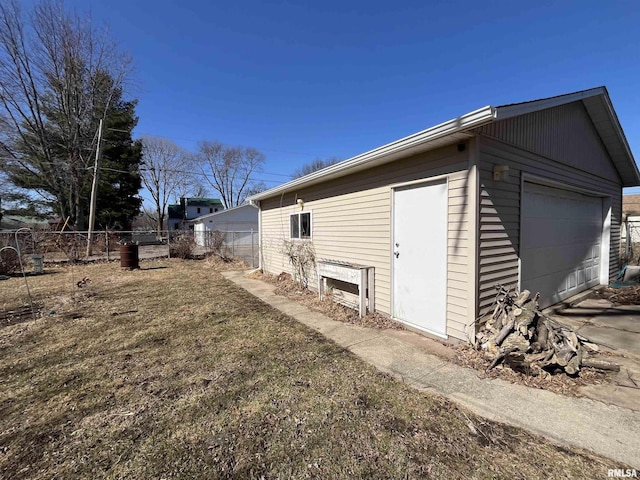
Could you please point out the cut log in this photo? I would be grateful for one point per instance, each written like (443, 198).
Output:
(591, 346)
(571, 340)
(516, 343)
(527, 318)
(549, 359)
(517, 362)
(506, 330)
(535, 357)
(542, 334)
(498, 359)
(536, 348)
(500, 321)
(600, 364)
(573, 366)
(522, 298)
(564, 355)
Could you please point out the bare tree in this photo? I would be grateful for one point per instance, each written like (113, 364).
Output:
(166, 173)
(198, 189)
(317, 164)
(228, 170)
(58, 76)
(148, 219)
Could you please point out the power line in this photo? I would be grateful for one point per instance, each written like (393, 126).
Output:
(62, 163)
(258, 148)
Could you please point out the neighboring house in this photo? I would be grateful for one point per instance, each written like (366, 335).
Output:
(175, 215)
(631, 217)
(238, 219)
(188, 209)
(631, 205)
(527, 195)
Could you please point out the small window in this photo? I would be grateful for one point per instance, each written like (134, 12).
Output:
(198, 209)
(300, 224)
(211, 210)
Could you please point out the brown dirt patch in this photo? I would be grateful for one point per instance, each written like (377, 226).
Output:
(286, 287)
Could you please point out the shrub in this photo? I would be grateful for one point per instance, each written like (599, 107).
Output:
(302, 257)
(9, 260)
(214, 241)
(182, 246)
(72, 244)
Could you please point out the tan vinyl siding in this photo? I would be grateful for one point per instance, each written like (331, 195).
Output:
(565, 133)
(351, 221)
(499, 213)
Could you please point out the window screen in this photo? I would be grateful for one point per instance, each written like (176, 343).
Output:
(300, 225)
(295, 226)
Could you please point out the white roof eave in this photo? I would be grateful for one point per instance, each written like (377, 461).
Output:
(427, 139)
(456, 125)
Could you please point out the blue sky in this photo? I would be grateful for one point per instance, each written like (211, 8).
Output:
(302, 80)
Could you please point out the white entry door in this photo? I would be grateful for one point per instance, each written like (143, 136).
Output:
(419, 256)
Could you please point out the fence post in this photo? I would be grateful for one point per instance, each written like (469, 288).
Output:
(252, 254)
(233, 244)
(106, 242)
(169, 243)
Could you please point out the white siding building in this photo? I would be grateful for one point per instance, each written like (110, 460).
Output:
(526, 195)
(242, 219)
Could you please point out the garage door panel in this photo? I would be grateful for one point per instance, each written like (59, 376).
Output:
(543, 260)
(561, 236)
(565, 231)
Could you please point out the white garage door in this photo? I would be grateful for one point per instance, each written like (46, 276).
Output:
(560, 242)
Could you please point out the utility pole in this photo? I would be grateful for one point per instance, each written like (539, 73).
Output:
(94, 193)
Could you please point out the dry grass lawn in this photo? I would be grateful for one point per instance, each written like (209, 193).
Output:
(173, 372)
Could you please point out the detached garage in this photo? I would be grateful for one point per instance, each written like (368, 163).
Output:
(526, 195)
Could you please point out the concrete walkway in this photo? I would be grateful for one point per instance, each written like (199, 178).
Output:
(607, 430)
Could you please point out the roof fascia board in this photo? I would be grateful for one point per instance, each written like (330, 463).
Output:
(459, 124)
(623, 138)
(221, 212)
(509, 111)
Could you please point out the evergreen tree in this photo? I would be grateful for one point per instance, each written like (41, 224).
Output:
(59, 77)
(118, 202)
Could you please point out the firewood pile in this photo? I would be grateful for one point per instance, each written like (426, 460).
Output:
(518, 335)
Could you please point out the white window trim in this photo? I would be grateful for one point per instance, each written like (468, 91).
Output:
(298, 239)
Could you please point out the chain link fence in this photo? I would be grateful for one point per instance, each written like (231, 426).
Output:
(46, 246)
(630, 242)
(235, 244)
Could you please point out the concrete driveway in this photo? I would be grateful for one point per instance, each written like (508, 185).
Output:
(617, 330)
(606, 324)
